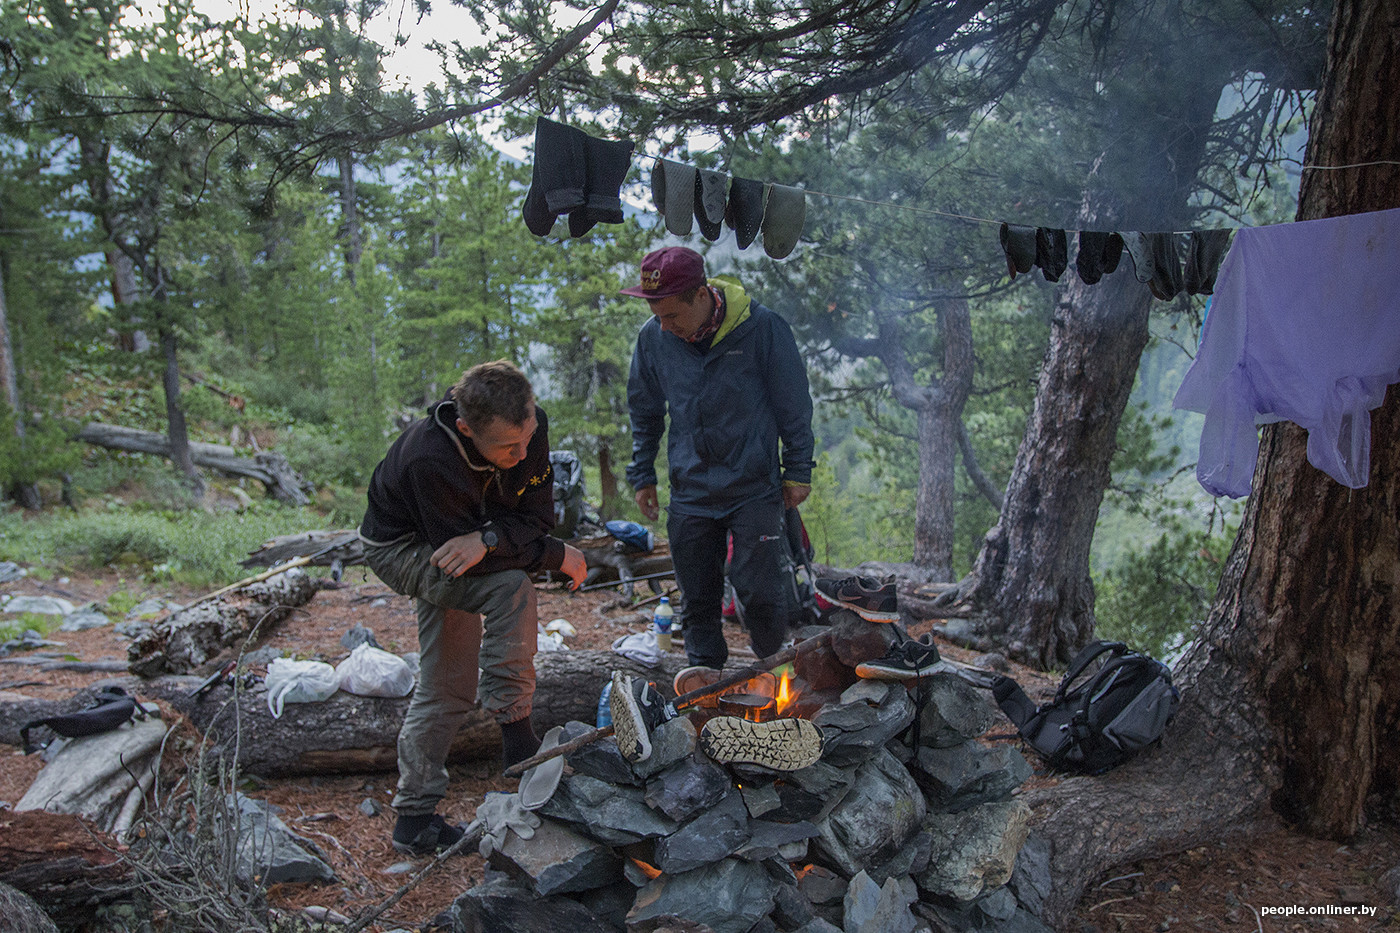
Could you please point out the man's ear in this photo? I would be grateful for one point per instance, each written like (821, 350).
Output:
(463, 429)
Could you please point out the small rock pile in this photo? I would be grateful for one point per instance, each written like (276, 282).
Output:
(906, 823)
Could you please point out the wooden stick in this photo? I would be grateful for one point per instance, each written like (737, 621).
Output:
(256, 578)
(682, 702)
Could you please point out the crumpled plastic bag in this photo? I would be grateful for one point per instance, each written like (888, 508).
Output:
(290, 681)
(501, 814)
(640, 647)
(374, 672)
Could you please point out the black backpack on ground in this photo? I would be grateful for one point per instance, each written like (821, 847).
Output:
(1111, 705)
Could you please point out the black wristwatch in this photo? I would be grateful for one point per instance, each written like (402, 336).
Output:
(490, 539)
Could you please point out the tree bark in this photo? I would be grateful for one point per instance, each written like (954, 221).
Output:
(26, 494)
(1314, 573)
(1032, 573)
(268, 467)
(1289, 696)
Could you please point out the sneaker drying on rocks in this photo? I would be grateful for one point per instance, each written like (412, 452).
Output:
(871, 599)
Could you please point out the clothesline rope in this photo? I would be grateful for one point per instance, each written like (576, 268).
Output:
(997, 223)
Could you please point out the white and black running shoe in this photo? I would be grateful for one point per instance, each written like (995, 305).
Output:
(906, 660)
(779, 745)
(871, 599)
(637, 708)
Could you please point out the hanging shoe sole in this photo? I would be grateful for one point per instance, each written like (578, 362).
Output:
(779, 745)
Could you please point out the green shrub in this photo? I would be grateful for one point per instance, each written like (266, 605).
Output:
(1153, 598)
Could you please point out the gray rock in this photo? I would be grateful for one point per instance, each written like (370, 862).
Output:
(131, 629)
(150, 608)
(760, 798)
(556, 860)
(870, 713)
(612, 814)
(968, 774)
(370, 807)
(818, 926)
(767, 840)
(693, 784)
(975, 850)
(879, 814)
(821, 885)
(670, 742)
(911, 859)
(10, 571)
(790, 909)
(39, 605)
(102, 778)
(270, 853)
(872, 908)
(728, 897)
(1030, 878)
(84, 618)
(356, 636)
(500, 904)
(719, 832)
(995, 912)
(261, 657)
(599, 760)
(955, 713)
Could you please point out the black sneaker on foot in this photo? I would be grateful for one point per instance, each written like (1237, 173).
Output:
(637, 708)
(865, 596)
(779, 744)
(424, 834)
(906, 660)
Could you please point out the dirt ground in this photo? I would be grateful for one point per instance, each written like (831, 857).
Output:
(1226, 886)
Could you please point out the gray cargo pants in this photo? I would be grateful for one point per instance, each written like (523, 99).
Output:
(453, 641)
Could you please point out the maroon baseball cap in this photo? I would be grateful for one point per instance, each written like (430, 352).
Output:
(667, 272)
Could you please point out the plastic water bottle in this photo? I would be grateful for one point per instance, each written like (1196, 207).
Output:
(604, 707)
(662, 621)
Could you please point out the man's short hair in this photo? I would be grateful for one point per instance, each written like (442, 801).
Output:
(493, 390)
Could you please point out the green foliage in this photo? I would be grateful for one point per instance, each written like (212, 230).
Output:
(194, 547)
(44, 450)
(26, 621)
(1155, 595)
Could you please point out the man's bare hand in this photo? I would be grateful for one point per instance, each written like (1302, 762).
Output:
(793, 496)
(574, 565)
(648, 503)
(459, 554)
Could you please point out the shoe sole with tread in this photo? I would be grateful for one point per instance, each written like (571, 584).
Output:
(629, 727)
(779, 744)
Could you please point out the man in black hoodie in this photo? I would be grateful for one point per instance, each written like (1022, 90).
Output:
(459, 516)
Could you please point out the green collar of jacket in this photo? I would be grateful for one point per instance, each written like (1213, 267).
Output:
(736, 305)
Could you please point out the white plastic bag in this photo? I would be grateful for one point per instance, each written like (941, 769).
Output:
(291, 681)
(374, 672)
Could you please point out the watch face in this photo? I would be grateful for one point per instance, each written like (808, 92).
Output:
(489, 539)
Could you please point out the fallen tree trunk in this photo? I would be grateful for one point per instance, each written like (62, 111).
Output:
(349, 733)
(62, 863)
(267, 467)
(184, 640)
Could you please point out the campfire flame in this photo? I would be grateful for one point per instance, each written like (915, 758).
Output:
(651, 871)
(786, 695)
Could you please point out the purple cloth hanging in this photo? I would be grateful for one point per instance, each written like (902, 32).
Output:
(1304, 327)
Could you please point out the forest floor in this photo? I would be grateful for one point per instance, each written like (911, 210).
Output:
(1224, 886)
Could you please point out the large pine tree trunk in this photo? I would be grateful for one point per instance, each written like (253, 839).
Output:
(1311, 587)
(1032, 574)
(1290, 695)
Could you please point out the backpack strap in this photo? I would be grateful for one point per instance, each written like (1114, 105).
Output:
(1087, 655)
(111, 708)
